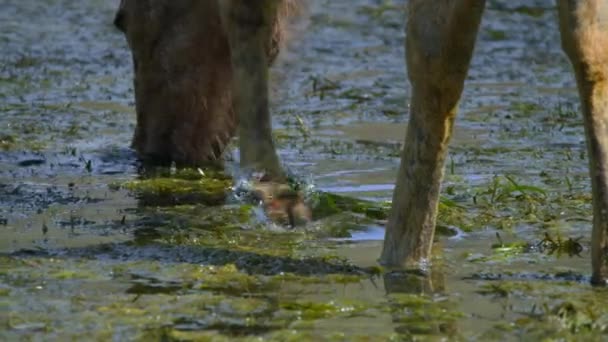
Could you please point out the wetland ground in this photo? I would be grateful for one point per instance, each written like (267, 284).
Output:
(92, 247)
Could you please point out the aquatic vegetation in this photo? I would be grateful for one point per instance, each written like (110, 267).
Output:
(92, 242)
(497, 35)
(179, 190)
(563, 310)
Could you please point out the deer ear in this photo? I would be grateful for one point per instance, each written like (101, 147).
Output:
(120, 17)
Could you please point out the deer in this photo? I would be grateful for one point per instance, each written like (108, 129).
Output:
(439, 45)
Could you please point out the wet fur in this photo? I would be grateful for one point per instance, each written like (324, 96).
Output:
(197, 119)
(182, 77)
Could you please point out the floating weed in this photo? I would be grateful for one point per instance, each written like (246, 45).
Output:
(7, 142)
(379, 10)
(4, 291)
(558, 246)
(525, 109)
(512, 247)
(452, 214)
(120, 309)
(11, 142)
(321, 85)
(501, 204)
(308, 310)
(501, 191)
(562, 114)
(503, 251)
(334, 278)
(220, 300)
(23, 326)
(524, 189)
(203, 218)
(423, 315)
(73, 274)
(497, 35)
(357, 95)
(342, 225)
(229, 279)
(302, 127)
(165, 191)
(325, 204)
(26, 62)
(506, 288)
(237, 239)
(535, 12)
(506, 201)
(170, 334)
(559, 310)
(363, 149)
(235, 317)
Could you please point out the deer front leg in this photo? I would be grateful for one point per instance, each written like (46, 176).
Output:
(439, 45)
(584, 34)
(249, 27)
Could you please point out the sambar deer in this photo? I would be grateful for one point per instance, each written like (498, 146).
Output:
(198, 61)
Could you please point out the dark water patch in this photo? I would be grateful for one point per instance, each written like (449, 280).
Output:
(252, 263)
(561, 276)
(31, 162)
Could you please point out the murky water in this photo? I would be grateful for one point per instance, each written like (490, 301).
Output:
(86, 253)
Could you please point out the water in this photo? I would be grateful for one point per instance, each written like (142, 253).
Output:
(85, 254)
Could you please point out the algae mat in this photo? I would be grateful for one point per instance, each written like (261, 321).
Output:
(94, 248)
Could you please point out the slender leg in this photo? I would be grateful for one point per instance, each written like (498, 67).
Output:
(584, 34)
(249, 26)
(439, 45)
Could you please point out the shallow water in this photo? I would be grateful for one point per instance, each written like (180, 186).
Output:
(87, 252)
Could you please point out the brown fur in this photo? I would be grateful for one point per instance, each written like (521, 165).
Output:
(182, 77)
(190, 61)
(439, 46)
(584, 35)
(592, 38)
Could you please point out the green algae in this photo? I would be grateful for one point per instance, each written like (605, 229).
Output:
(560, 246)
(196, 268)
(325, 204)
(241, 304)
(173, 190)
(451, 214)
(557, 311)
(531, 10)
(497, 35)
(306, 310)
(229, 279)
